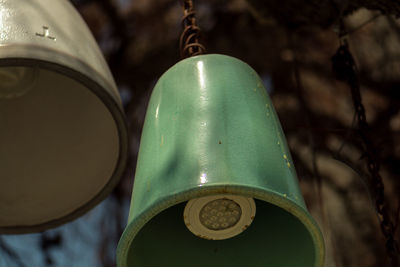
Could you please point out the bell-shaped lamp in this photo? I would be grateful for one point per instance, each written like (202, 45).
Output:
(215, 184)
(63, 136)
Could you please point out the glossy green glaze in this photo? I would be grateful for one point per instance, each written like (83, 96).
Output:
(211, 128)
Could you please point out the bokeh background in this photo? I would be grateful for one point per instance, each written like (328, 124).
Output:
(290, 44)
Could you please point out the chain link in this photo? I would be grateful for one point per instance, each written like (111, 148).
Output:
(345, 69)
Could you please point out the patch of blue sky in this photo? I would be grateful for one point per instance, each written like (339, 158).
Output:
(79, 246)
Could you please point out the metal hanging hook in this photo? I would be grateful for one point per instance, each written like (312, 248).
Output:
(189, 42)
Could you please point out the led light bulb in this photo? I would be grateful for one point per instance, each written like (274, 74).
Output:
(220, 214)
(219, 217)
(16, 81)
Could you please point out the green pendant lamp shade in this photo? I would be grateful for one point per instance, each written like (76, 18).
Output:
(63, 136)
(215, 184)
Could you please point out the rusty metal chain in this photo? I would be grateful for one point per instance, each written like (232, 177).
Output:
(345, 69)
(189, 42)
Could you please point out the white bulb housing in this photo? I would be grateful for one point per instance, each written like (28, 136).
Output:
(219, 217)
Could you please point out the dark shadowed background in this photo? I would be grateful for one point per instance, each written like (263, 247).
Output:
(290, 44)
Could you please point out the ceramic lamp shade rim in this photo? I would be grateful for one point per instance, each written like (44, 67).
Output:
(279, 200)
(13, 55)
(113, 105)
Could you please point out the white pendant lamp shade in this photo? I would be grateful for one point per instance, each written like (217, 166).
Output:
(63, 137)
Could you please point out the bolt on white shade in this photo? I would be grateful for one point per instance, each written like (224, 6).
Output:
(219, 217)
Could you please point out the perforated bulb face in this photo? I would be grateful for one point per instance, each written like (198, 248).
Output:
(16, 81)
(220, 216)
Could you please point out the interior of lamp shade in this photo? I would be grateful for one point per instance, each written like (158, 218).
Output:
(275, 238)
(59, 146)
